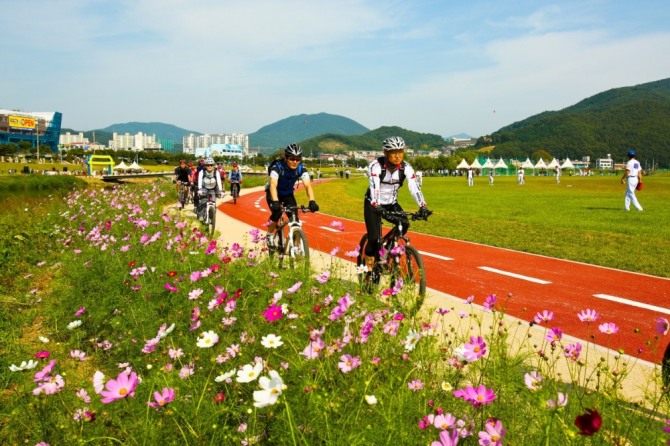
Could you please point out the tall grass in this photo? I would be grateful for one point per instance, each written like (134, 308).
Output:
(230, 349)
(581, 219)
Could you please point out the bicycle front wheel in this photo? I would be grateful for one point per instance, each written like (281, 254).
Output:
(408, 267)
(182, 197)
(297, 249)
(212, 218)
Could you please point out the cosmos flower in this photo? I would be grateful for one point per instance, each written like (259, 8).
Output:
(119, 388)
(271, 341)
(588, 423)
(207, 339)
(163, 398)
(608, 328)
(588, 315)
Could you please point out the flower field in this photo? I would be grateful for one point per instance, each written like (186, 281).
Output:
(127, 324)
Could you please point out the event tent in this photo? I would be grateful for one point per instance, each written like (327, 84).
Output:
(475, 164)
(567, 164)
(488, 164)
(528, 164)
(541, 164)
(121, 166)
(463, 164)
(553, 164)
(135, 167)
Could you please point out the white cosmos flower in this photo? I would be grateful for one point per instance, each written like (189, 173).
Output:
(225, 376)
(44, 339)
(272, 388)
(411, 340)
(207, 339)
(98, 381)
(249, 372)
(74, 324)
(25, 365)
(271, 341)
(162, 333)
(459, 352)
(371, 399)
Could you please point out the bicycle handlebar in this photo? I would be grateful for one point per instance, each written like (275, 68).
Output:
(413, 215)
(302, 208)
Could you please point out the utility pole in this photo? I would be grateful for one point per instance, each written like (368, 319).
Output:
(37, 136)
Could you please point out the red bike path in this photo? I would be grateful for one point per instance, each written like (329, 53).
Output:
(535, 283)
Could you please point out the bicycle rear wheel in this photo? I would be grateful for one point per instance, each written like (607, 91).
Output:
(236, 191)
(408, 267)
(298, 249)
(182, 197)
(368, 279)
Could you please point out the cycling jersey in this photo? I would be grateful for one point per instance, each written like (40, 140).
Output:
(286, 177)
(234, 176)
(182, 174)
(209, 180)
(384, 191)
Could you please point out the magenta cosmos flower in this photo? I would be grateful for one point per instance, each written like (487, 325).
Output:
(589, 423)
(162, 398)
(477, 396)
(121, 387)
(474, 349)
(273, 313)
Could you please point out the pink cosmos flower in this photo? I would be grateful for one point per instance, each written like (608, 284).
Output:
(334, 251)
(490, 301)
(83, 394)
(314, 348)
(476, 396)
(415, 385)
(588, 316)
(45, 372)
(544, 316)
(494, 433)
(533, 380)
(273, 313)
(348, 363)
(608, 328)
(444, 421)
(323, 277)
(121, 387)
(80, 311)
(447, 438)
(294, 288)
(554, 335)
(337, 225)
(560, 401)
(572, 351)
(662, 326)
(162, 398)
(171, 288)
(195, 276)
(42, 354)
(474, 349)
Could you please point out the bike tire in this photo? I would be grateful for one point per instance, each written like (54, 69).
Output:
(212, 219)
(182, 198)
(235, 193)
(298, 250)
(409, 267)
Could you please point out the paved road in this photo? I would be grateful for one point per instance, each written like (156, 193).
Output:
(632, 301)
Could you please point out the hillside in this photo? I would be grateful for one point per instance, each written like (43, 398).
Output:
(611, 122)
(301, 127)
(371, 140)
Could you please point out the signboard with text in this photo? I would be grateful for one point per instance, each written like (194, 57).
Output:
(21, 122)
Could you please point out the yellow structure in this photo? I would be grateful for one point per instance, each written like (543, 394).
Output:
(95, 161)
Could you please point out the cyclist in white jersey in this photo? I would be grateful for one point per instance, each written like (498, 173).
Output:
(209, 183)
(386, 175)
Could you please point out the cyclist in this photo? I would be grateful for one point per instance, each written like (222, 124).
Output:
(284, 174)
(193, 182)
(222, 171)
(386, 175)
(209, 183)
(235, 177)
(181, 174)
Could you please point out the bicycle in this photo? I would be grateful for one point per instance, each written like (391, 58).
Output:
(209, 219)
(290, 239)
(398, 262)
(235, 190)
(182, 193)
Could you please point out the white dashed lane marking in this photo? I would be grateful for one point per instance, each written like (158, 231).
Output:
(326, 228)
(436, 256)
(632, 303)
(516, 276)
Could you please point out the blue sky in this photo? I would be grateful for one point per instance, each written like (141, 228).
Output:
(223, 66)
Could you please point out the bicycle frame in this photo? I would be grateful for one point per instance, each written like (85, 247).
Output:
(292, 244)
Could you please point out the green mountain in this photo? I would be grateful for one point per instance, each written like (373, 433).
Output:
(611, 122)
(301, 127)
(330, 143)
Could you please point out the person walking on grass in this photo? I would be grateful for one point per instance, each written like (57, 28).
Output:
(558, 175)
(471, 177)
(520, 179)
(491, 178)
(632, 177)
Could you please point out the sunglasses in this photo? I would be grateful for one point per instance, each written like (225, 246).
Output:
(295, 158)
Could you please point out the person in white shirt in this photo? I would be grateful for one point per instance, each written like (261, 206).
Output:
(632, 176)
(386, 175)
(558, 175)
(471, 177)
(520, 179)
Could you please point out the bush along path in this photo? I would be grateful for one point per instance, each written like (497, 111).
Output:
(148, 331)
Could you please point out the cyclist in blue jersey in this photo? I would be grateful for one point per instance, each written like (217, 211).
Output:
(284, 174)
(235, 177)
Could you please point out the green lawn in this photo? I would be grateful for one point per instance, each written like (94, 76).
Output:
(581, 219)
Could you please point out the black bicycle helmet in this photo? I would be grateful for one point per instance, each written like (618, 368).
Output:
(394, 143)
(293, 150)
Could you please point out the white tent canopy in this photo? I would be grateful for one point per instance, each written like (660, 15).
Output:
(528, 164)
(552, 164)
(541, 164)
(121, 166)
(567, 164)
(500, 164)
(135, 166)
(488, 164)
(475, 164)
(463, 164)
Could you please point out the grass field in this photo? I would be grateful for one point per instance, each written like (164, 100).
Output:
(581, 219)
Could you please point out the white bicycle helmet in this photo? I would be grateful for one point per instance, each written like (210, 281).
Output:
(293, 150)
(209, 162)
(394, 143)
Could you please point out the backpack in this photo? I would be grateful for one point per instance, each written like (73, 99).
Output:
(401, 170)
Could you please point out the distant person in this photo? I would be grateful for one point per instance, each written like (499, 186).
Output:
(491, 178)
(182, 174)
(520, 181)
(318, 175)
(235, 178)
(347, 174)
(558, 175)
(471, 177)
(633, 177)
